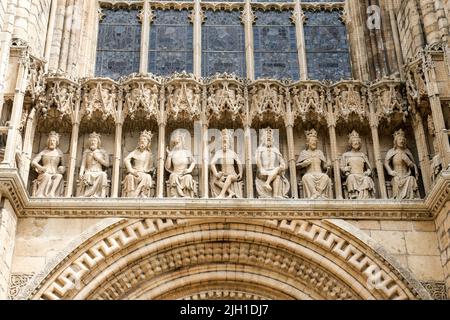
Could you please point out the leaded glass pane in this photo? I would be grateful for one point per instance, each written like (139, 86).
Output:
(326, 46)
(171, 46)
(275, 46)
(223, 43)
(119, 41)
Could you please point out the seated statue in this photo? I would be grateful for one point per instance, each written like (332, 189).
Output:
(93, 177)
(226, 183)
(400, 166)
(356, 168)
(50, 166)
(271, 181)
(139, 164)
(317, 185)
(180, 163)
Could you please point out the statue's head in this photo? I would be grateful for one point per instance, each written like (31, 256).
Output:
(177, 139)
(53, 140)
(267, 137)
(311, 139)
(400, 139)
(226, 139)
(354, 140)
(95, 141)
(145, 140)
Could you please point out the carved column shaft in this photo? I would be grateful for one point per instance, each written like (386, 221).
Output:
(436, 109)
(301, 48)
(118, 149)
(376, 150)
(161, 146)
(421, 142)
(28, 145)
(334, 153)
(71, 176)
(291, 147)
(248, 19)
(197, 38)
(205, 161)
(145, 20)
(248, 148)
(50, 31)
(16, 114)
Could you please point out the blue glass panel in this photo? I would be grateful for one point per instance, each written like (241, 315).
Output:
(119, 42)
(327, 46)
(275, 45)
(223, 43)
(171, 47)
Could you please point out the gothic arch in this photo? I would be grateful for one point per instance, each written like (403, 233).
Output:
(224, 258)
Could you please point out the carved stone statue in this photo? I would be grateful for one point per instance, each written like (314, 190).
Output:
(316, 183)
(356, 168)
(226, 182)
(93, 177)
(180, 163)
(50, 166)
(139, 165)
(271, 181)
(400, 166)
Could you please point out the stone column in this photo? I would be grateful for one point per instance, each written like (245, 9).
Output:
(289, 123)
(57, 33)
(248, 18)
(396, 36)
(198, 20)
(50, 31)
(64, 53)
(16, 115)
(299, 20)
(8, 226)
(436, 109)
(376, 150)
(421, 142)
(145, 16)
(162, 121)
(331, 121)
(71, 174)
(248, 148)
(28, 145)
(115, 181)
(204, 148)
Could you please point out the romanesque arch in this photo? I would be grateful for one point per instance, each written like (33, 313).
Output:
(225, 258)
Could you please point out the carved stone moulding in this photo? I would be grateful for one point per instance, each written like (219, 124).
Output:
(61, 94)
(225, 95)
(267, 99)
(389, 101)
(308, 101)
(183, 97)
(120, 4)
(350, 98)
(99, 101)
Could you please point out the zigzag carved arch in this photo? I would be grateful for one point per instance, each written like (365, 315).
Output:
(225, 258)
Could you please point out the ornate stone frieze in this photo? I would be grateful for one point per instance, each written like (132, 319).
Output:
(61, 93)
(436, 289)
(388, 99)
(99, 95)
(267, 98)
(17, 282)
(183, 97)
(350, 98)
(309, 101)
(141, 96)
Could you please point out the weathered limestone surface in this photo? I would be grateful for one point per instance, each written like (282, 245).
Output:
(8, 226)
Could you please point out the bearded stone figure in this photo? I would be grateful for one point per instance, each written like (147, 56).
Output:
(316, 183)
(93, 177)
(271, 181)
(356, 168)
(400, 166)
(180, 163)
(50, 166)
(226, 182)
(139, 164)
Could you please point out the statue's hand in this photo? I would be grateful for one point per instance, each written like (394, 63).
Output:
(368, 173)
(218, 175)
(61, 170)
(393, 173)
(134, 172)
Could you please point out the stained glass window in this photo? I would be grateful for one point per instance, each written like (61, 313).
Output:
(223, 43)
(275, 45)
(119, 42)
(171, 47)
(327, 49)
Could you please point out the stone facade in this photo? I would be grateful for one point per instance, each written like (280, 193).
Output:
(323, 174)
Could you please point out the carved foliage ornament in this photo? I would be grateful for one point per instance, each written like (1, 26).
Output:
(267, 98)
(350, 98)
(309, 99)
(99, 96)
(62, 95)
(388, 100)
(141, 96)
(184, 98)
(225, 96)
